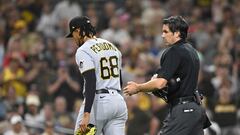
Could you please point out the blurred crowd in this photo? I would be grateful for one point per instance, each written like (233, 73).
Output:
(40, 91)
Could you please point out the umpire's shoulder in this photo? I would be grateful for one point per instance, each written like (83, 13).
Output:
(171, 49)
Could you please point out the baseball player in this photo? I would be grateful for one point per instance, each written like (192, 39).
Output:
(99, 62)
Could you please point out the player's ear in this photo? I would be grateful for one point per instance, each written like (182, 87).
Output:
(78, 30)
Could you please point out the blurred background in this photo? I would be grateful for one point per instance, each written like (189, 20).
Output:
(40, 91)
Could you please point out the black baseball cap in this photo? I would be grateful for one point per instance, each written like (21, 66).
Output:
(77, 22)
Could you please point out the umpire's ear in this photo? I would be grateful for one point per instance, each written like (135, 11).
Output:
(176, 34)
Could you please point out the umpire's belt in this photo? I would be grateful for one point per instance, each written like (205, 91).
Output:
(182, 100)
(102, 91)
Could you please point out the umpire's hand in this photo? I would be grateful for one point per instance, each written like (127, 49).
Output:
(131, 89)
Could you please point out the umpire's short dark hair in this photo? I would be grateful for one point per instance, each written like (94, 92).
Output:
(177, 23)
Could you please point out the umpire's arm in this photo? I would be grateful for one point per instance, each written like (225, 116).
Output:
(169, 66)
(154, 84)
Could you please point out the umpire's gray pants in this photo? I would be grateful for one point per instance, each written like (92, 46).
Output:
(184, 119)
(109, 114)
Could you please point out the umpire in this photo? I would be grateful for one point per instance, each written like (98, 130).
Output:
(176, 82)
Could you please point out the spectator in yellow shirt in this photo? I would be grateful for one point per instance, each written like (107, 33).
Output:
(13, 75)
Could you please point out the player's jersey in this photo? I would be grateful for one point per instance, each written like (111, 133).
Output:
(105, 58)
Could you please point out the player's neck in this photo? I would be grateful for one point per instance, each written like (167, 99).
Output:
(88, 38)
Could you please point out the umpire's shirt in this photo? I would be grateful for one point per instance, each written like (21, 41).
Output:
(180, 62)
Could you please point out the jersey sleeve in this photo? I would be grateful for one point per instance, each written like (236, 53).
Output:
(84, 61)
(169, 64)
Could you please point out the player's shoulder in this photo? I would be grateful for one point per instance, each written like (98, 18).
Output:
(86, 46)
(101, 40)
(81, 52)
(106, 41)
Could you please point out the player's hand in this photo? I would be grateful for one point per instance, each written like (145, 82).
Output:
(131, 89)
(83, 125)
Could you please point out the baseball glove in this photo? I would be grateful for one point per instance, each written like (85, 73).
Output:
(161, 93)
(172, 85)
(91, 130)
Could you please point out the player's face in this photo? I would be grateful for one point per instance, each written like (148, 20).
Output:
(169, 37)
(77, 38)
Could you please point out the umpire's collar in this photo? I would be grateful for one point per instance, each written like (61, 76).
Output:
(179, 42)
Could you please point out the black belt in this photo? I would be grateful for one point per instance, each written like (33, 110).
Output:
(182, 100)
(102, 91)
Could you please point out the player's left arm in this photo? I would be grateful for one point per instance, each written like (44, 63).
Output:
(87, 69)
(90, 88)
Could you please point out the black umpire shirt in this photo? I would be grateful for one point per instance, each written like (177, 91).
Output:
(180, 61)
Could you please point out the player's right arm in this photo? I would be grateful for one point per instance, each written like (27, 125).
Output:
(120, 69)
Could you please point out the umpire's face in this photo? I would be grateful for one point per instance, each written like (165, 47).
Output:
(168, 36)
(77, 37)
